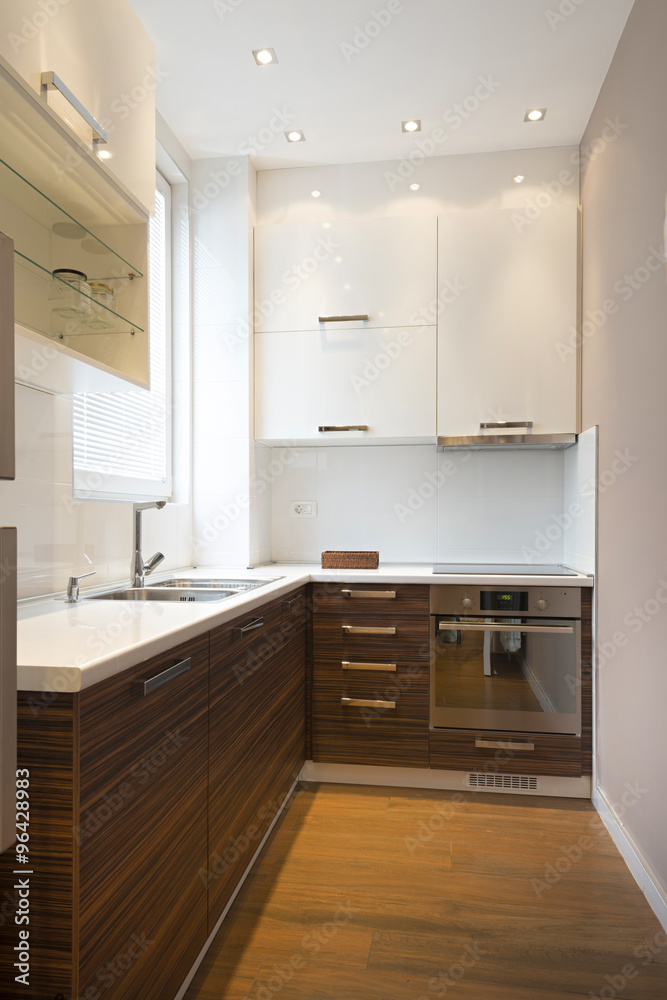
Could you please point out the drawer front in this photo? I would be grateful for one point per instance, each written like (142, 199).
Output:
(371, 598)
(249, 641)
(370, 716)
(370, 638)
(519, 753)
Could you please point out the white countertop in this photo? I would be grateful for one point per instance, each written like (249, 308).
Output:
(65, 647)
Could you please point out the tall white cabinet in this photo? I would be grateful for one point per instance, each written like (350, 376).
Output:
(345, 336)
(507, 339)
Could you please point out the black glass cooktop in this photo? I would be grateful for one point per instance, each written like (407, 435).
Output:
(504, 569)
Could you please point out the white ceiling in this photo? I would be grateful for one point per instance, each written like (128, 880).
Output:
(350, 104)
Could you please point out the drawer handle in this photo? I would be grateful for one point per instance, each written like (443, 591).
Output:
(166, 675)
(51, 81)
(503, 745)
(346, 665)
(369, 629)
(326, 428)
(380, 595)
(360, 318)
(250, 627)
(367, 703)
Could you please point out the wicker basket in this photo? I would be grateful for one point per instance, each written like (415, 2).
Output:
(350, 560)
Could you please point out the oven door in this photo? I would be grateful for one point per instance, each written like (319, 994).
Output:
(514, 674)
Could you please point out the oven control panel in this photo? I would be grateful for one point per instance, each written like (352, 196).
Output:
(552, 602)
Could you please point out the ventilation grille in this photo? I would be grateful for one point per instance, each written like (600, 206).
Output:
(517, 782)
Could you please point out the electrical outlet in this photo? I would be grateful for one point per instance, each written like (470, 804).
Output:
(303, 508)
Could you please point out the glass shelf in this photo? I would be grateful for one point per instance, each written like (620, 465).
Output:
(72, 314)
(71, 239)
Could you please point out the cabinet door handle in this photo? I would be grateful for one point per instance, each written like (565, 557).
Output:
(329, 428)
(500, 425)
(367, 703)
(380, 595)
(503, 745)
(52, 82)
(250, 627)
(166, 675)
(369, 629)
(287, 605)
(346, 665)
(360, 318)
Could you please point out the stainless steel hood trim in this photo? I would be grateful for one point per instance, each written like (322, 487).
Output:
(492, 442)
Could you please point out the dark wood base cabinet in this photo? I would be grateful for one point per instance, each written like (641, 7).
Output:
(123, 806)
(370, 674)
(506, 753)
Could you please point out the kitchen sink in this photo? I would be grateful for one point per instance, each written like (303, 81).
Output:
(182, 590)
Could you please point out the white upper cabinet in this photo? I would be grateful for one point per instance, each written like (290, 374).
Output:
(507, 343)
(364, 386)
(103, 55)
(382, 268)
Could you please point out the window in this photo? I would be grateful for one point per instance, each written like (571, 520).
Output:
(122, 441)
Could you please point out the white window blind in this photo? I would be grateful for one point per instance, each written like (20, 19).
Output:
(122, 441)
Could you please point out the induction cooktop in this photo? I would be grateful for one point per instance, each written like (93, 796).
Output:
(504, 569)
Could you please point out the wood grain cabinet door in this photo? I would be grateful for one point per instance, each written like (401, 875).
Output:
(256, 734)
(142, 825)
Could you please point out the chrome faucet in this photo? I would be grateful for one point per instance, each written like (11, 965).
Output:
(141, 569)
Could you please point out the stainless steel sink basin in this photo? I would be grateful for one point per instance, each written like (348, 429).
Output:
(239, 586)
(181, 595)
(182, 590)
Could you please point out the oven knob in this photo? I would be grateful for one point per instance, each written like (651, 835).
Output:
(466, 602)
(542, 605)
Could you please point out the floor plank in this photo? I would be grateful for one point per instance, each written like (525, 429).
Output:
(347, 902)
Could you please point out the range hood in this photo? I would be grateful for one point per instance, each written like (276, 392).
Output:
(505, 441)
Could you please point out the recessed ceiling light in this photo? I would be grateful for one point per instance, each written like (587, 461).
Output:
(519, 179)
(413, 125)
(316, 194)
(415, 187)
(104, 154)
(264, 57)
(535, 115)
(295, 136)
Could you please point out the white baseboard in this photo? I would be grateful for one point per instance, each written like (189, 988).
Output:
(417, 777)
(646, 879)
(191, 974)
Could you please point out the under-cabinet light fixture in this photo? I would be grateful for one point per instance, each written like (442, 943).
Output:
(535, 114)
(296, 135)
(413, 125)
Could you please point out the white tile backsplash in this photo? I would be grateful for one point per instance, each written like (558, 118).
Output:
(59, 536)
(416, 504)
(579, 534)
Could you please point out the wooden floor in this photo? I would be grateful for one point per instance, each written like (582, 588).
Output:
(391, 894)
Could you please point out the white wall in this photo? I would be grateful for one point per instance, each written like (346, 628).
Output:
(624, 366)
(231, 496)
(580, 491)
(415, 504)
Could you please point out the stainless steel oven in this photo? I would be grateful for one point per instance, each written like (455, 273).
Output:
(506, 658)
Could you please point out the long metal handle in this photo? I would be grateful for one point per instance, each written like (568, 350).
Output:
(328, 428)
(361, 318)
(369, 629)
(7, 434)
(250, 627)
(287, 605)
(503, 745)
(502, 424)
(167, 675)
(50, 81)
(367, 703)
(465, 627)
(380, 595)
(387, 667)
